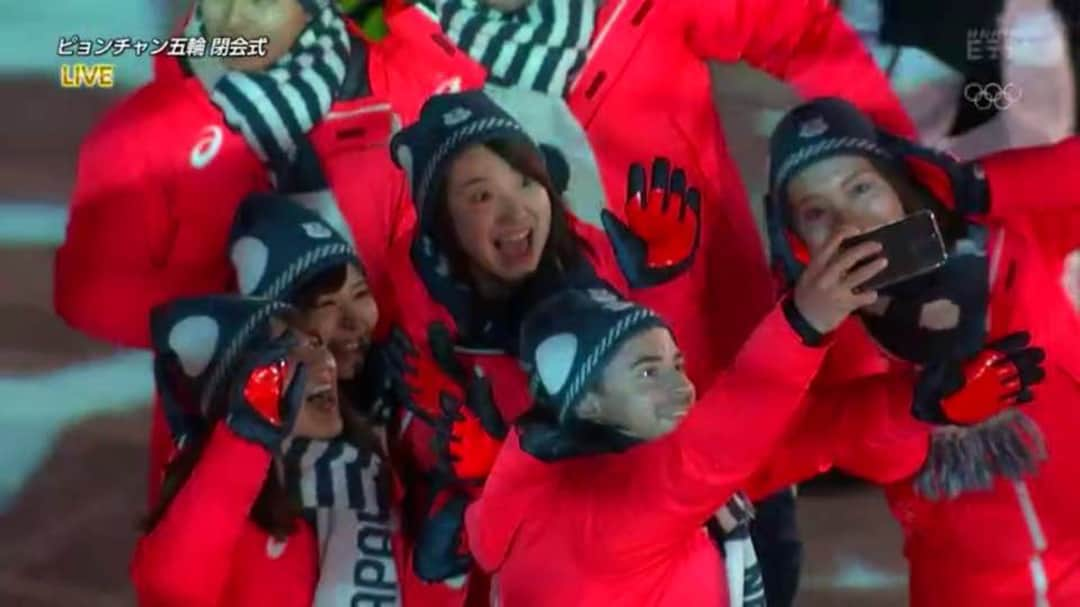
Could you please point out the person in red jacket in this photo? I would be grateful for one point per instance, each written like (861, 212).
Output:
(831, 168)
(271, 500)
(600, 495)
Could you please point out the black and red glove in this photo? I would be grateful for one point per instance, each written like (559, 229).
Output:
(660, 238)
(263, 401)
(469, 434)
(440, 552)
(419, 380)
(972, 391)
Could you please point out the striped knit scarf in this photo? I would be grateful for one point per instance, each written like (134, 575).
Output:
(273, 109)
(538, 47)
(344, 494)
(730, 527)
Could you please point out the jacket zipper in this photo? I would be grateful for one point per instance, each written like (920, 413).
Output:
(1038, 540)
(1023, 496)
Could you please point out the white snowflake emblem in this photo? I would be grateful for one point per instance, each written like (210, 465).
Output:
(813, 127)
(316, 230)
(456, 116)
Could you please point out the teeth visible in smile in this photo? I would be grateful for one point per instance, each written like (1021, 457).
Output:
(512, 239)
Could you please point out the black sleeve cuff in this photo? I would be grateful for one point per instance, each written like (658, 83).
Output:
(809, 335)
(977, 199)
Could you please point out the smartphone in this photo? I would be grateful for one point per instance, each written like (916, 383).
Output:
(913, 246)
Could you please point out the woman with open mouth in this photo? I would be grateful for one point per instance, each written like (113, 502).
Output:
(268, 500)
(493, 235)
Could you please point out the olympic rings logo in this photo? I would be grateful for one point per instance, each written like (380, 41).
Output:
(992, 95)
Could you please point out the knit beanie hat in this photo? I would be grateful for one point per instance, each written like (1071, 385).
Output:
(197, 342)
(568, 339)
(277, 245)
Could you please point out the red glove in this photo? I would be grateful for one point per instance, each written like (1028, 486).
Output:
(967, 393)
(262, 407)
(468, 438)
(663, 226)
(420, 380)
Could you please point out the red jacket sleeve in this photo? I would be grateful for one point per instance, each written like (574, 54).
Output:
(806, 43)
(113, 266)
(1038, 185)
(863, 427)
(186, 559)
(678, 481)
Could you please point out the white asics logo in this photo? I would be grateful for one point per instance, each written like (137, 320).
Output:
(206, 148)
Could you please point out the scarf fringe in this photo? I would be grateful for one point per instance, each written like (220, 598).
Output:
(970, 459)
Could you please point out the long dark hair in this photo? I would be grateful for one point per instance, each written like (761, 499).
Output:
(563, 250)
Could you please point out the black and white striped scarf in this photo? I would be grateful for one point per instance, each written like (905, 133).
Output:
(345, 494)
(731, 529)
(538, 47)
(273, 109)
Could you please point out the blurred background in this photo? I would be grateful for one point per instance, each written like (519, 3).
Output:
(74, 413)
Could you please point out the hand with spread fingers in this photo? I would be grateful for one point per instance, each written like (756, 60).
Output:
(660, 236)
(420, 380)
(263, 400)
(469, 434)
(969, 392)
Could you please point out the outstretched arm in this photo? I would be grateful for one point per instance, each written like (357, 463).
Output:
(806, 43)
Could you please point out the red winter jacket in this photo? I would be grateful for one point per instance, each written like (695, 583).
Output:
(206, 552)
(1018, 544)
(626, 529)
(647, 67)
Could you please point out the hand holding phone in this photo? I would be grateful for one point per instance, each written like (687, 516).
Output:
(826, 292)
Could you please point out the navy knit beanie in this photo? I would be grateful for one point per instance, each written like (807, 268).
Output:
(197, 342)
(568, 339)
(277, 245)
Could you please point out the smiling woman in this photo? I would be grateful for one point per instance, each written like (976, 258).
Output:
(498, 217)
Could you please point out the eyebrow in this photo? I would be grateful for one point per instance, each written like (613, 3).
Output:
(648, 358)
(471, 181)
(858, 173)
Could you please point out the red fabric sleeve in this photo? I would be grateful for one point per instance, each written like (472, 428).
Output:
(1039, 185)
(806, 43)
(186, 559)
(677, 482)
(112, 268)
(863, 427)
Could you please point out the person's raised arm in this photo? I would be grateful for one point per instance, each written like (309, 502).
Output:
(805, 43)
(113, 266)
